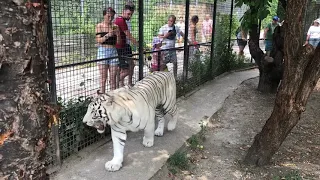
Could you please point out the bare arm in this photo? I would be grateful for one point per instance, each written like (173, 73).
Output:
(307, 40)
(100, 39)
(117, 32)
(192, 32)
(265, 33)
(132, 39)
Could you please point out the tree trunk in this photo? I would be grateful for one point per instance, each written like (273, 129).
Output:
(301, 73)
(23, 92)
(269, 68)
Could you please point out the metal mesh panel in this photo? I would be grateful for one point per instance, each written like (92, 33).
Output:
(81, 70)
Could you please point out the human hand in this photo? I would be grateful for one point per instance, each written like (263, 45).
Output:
(169, 33)
(305, 43)
(196, 45)
(115, 29)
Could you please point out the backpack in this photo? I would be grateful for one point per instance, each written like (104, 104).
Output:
(173, 35)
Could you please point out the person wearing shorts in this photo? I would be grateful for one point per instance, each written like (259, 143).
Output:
(268, 34)
(168, 34)
(242, 40)
(313, 35)
(107, 35)
(126, 63)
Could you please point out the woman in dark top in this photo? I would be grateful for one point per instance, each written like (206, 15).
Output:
(107, 35)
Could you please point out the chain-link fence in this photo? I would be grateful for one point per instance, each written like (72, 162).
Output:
(89, 54)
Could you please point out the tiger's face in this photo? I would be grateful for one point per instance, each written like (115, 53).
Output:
(97, 115)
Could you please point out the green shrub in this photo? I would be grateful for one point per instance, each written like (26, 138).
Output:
(178, 161)
(73, 134)
(294, 175)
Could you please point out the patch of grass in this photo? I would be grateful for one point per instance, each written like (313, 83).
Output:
(295, 175)
(178, 161)
(196, 140)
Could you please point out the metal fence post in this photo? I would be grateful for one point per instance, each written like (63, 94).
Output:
(214, 17)
(52, 78)
(230, 25)
(185, 45)
(141, 63)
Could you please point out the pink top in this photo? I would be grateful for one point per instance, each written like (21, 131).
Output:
(154, 62)
(207, 26)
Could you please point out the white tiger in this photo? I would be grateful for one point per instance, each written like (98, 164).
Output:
(133, 109)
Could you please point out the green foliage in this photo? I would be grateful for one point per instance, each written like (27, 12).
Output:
(73, 134)
(196, 140)
(178, 161)
(294, 175)
(258, 10)
(200, 67)
(224, 59)
(273, 12)
(154, 21)
(67, 14)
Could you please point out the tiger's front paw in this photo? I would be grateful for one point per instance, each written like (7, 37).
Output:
(158, 132)
(113, 165)
(147, 142)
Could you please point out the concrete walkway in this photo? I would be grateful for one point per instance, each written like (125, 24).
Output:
(141, 163)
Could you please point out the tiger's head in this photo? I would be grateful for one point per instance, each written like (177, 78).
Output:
(99, 112)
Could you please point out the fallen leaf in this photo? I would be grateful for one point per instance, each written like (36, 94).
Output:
(5, 136)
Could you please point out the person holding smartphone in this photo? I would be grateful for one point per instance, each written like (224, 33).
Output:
(107, 35)
(168, 34)
(126, 64)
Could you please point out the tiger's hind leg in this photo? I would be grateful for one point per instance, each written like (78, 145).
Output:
(172, 118)
(161, 121)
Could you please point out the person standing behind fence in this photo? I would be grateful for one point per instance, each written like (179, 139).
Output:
(241, 40)
(168, 34)
(181, 26)
(126, 63)
(193, 37)
(268, 33)
(313, 35)
(157, 57)
(207, 25)
(107, 35)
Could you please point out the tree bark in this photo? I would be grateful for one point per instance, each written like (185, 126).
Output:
(270, 69)
(301, 73)
(23, 91)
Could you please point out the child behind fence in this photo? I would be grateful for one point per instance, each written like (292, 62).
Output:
(156, 59)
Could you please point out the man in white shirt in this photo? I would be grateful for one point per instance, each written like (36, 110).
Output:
(168, 34)
(313, 35)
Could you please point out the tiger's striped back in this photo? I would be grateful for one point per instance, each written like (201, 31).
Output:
(159, 88)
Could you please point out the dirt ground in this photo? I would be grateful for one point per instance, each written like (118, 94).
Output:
(231, 131)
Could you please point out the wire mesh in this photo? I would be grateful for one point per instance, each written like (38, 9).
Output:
(83, 64)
